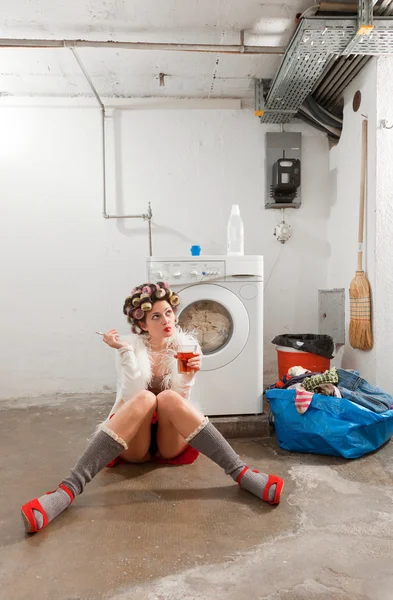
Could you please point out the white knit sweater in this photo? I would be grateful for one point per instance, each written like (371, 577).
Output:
(133, 366)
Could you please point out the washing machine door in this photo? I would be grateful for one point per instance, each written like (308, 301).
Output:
(218, 319)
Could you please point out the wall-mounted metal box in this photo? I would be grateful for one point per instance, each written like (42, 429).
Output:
(331, 314)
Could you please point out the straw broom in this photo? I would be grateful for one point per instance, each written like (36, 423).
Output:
(360, 332)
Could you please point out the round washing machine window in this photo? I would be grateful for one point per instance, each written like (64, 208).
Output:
(219, 320)
(213, 322)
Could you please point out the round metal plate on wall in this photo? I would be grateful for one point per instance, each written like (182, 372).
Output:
(357, 99)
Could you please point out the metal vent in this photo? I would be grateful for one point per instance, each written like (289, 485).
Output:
(316, 42)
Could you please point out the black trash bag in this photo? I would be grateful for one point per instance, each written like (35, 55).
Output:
(322, 345)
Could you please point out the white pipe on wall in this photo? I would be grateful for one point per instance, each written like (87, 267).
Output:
(219, 48)
(147, 216)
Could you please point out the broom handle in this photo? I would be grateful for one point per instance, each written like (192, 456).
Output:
(362, 193)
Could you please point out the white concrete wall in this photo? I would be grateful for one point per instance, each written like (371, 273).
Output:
(344, 194)
(67, 270)
(383, 305)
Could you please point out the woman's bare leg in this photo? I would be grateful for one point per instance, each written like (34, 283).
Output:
(132, 423)
(198, 432)
(177, 418)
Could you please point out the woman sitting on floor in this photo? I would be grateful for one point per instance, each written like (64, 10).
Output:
(153, 417)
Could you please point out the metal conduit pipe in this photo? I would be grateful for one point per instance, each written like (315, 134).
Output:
(341, 71)
(216, 48)
(331, 114)
(344, 7)
(337, 96)
(348, 76)
(331, 80)
(384, 8)
(318, 119)
(305, 116)
(341, 7)
(350, 70)
(338, 82)
(147, 216)
(330, 130)
(329, 75)
(345, 66)
(323, 116)
(326, 110)
(341, 66)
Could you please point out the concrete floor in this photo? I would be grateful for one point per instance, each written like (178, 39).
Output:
(151, 532)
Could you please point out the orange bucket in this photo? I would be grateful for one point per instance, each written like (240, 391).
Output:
(289, 357)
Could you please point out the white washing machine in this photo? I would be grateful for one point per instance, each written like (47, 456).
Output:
(222, 302)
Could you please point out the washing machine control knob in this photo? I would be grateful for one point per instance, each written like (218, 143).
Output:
(194, 273)
(160, 274)
(177, 275)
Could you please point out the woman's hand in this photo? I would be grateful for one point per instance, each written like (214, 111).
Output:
(111, 338)
(194, 363)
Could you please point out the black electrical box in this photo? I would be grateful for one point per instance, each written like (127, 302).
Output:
(283, 170)
(286, 179)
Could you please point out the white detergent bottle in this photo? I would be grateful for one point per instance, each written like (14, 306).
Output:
(235, 233)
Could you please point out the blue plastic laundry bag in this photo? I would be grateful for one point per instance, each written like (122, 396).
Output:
(333, 426)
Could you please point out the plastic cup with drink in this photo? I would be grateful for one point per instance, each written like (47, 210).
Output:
(183, 355)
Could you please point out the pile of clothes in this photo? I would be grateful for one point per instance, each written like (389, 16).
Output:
(340, 383)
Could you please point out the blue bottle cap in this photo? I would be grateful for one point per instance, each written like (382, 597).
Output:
(195, 250)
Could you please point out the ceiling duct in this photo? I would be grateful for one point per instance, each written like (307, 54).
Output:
(342, 70)
(324, 55)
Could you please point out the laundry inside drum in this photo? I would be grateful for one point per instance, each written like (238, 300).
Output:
(210, 322)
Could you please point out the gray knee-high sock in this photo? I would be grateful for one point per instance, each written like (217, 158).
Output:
(102, 449)
(212, 444)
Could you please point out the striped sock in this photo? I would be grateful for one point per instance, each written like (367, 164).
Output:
(303, 399)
